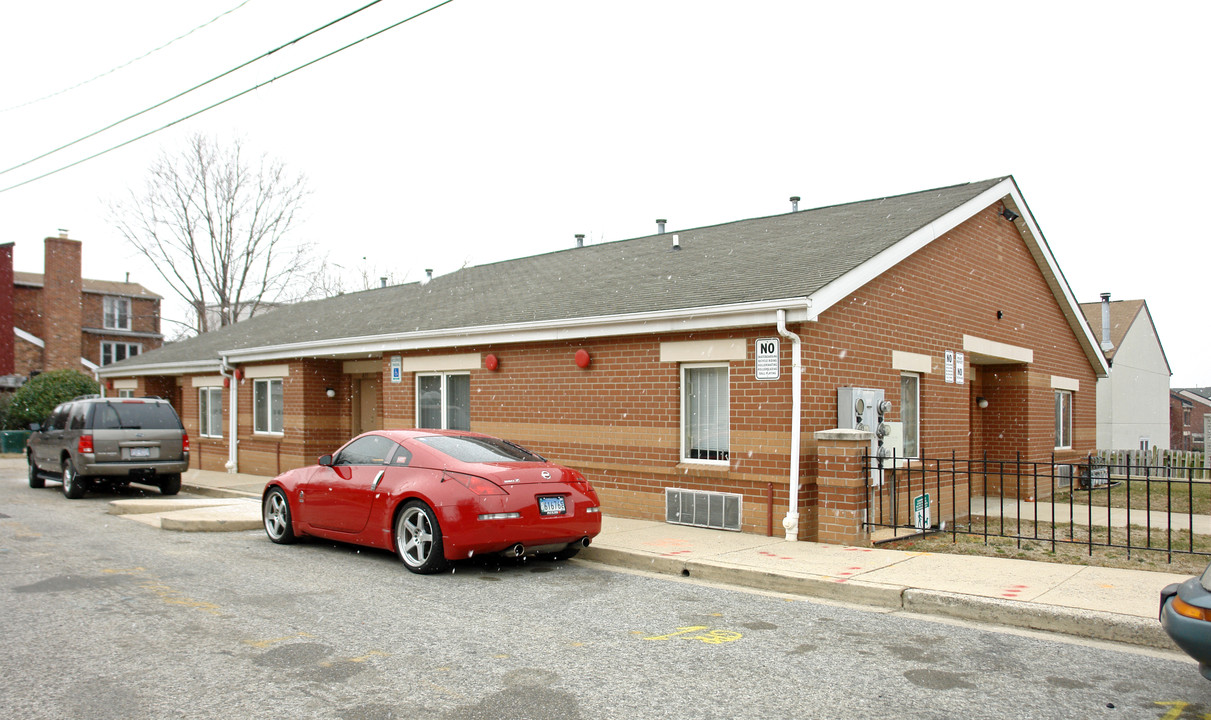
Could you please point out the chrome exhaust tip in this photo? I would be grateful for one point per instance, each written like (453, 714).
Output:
(517, 550)
(583, 542)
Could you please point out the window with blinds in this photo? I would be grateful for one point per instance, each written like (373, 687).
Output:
(705, 413)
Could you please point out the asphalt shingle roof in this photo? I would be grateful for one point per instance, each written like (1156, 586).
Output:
(781, 256)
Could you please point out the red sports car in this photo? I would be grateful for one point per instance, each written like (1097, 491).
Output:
(435, 496)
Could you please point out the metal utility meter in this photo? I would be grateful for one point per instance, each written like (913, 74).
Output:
(865, 409)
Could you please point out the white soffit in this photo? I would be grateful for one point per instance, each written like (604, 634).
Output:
(441, 363)
(991, 352)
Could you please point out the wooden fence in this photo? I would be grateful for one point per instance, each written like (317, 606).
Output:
(1156, 462)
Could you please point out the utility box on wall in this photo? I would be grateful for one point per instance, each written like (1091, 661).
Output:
(864, 409)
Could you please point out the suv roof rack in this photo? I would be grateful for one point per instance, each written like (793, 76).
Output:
(84, 397)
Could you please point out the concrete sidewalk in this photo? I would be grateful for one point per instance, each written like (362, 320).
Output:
(1090, 602)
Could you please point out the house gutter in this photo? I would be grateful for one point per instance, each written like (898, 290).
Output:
(791, 521)
(233, 440)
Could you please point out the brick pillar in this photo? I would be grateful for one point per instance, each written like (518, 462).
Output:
(62, 304)
(841, 483)
(7, 360)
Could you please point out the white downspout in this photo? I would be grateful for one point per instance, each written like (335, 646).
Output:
(791, 521)
(233, 440)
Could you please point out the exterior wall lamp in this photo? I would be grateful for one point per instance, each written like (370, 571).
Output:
(1009, 215)
(330, 392)
(981, 402)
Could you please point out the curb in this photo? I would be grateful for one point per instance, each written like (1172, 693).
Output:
(1088, 624)
(208, 491)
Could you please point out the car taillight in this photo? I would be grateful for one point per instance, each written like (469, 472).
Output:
(477, 485)
(184, 442)
(85, 445)
(1181, 607)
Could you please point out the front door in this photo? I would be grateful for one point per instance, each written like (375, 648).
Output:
(365, 405)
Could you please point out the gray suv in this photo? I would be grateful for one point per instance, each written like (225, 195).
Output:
(93, 440)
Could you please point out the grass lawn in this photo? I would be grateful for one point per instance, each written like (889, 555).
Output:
(1154, 494)
(1071, 546)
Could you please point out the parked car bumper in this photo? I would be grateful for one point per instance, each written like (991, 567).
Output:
(1192, 635)
(133, 469)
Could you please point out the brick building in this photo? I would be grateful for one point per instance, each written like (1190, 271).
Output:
(667, 363)
(59, 320)
(1188, 412)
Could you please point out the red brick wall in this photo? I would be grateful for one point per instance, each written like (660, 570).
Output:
(61, 302)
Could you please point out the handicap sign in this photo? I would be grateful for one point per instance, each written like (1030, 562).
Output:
(920, 512)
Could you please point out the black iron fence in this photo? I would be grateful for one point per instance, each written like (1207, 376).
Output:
(1093, 503)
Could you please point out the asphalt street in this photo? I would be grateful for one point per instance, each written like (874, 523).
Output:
(105, 618)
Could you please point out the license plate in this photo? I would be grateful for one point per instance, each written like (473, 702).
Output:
(552, 505)
(140, 452)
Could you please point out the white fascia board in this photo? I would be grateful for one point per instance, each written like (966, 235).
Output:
(32, 339)
(191, 367)
(847, 284)
(1195, 397)
(1037, 243)
(664, 321)
(1007, 189)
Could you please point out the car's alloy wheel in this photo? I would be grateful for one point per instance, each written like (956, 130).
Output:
(276, 512)
(418, 538)
(73, 485)
(35, 478)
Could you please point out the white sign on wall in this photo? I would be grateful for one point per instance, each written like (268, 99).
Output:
(397, 369)
(768, 364)
(950, 366)
(959, 372)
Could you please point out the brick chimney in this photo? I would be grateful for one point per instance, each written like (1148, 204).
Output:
(62, 304)
(7, 360)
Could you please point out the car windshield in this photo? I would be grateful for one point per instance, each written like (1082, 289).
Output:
(134, 416)
(479, 449)
(1205, 579)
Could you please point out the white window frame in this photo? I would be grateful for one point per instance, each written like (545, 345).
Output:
(126, 393)
(116, 313)
(686, 451)
(111, 346)
(1063, 420)
(206, 400)
(445, 397)
(915, 421)
(265, 425)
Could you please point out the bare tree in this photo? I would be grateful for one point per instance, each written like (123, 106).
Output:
(217, 228)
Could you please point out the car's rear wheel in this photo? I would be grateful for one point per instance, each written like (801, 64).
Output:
(170, 484)
(276, 512)
(35, 478)
(418, 538)
(74, 486)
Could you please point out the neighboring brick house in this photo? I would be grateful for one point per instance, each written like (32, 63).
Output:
(667, 362)
(1188, 412)
(59, 320)
(1133, 402)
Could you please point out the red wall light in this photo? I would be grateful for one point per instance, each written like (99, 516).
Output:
(583, 359)
(492, 362)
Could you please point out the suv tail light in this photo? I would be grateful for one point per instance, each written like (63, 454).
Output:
(184, 442)
(85, 445)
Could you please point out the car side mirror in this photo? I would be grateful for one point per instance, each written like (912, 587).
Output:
(325, 460)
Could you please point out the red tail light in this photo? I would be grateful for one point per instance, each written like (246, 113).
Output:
(85, 445)
(477, 485)
(184, 442)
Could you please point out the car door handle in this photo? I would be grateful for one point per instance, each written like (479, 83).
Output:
(377, 479)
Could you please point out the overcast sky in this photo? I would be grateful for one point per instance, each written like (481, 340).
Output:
(487, 130)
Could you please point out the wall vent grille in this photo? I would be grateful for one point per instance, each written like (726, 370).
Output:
(700, 508)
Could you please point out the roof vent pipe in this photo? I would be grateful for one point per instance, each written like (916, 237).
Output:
(1107, 345)
(676, 243)
(580, 240)
(382, 281)
(428, 274)
(660, 226)
(794, 203)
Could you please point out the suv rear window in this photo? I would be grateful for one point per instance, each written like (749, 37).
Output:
(134, 416)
